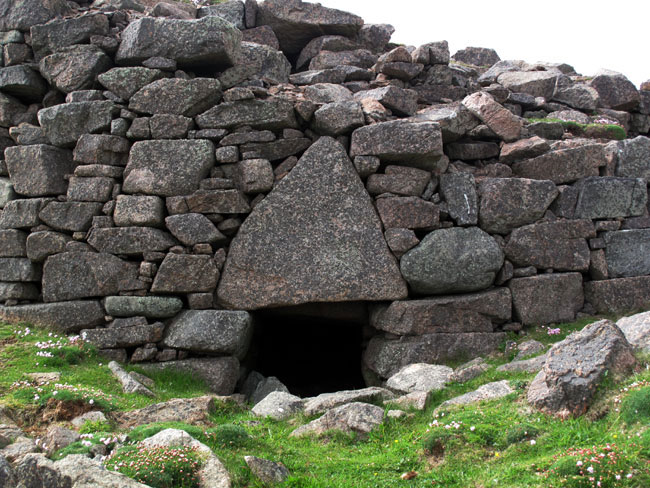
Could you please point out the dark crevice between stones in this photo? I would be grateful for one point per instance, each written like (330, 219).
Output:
(312, 349)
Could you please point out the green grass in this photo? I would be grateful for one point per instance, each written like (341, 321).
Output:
(502, 443)
(596, 131)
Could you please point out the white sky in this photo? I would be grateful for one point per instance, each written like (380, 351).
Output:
(587, 34)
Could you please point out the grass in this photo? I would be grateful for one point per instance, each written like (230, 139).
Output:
(501, 443)
(595, 131)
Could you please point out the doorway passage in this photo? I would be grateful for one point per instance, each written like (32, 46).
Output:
(310, 354)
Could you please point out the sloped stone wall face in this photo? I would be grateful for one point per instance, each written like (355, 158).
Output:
(167, 172)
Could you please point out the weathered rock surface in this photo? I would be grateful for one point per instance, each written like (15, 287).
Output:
(546, 299)
(168, 168)
(181, 273)
(74, 68)
(634, 158)
(417, 144)
(63, 316)
(619, 295)
(575, 367)
(129, 384)
(353, 417)
(489, 391)
(456, 313)
(211, 331)
(625, 253)
(295, 23)
(560, 245)
(271, 114)
(420, 377)
(64, 124)
(637, 330)
(207, 42)
(190, 410)
(39, 170)
(328, 401)
(564, 165)
(452, 260)
(149, 306)
(73, 275)
(129, 240)
(508, 203)
(267, 471)
(177, 96)
(278, 405)
(335, 224)
(386, 356)
(610, 197)
(506, 125)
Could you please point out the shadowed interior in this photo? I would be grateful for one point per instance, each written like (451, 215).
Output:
(309, 354)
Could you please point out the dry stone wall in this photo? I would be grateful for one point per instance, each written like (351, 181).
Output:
(169, 171)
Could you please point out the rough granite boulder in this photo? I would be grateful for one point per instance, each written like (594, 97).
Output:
(181, 273)
(53, 36)
(508, 203)
(295, 22)
(126, 82)
(637, 330)
(576, 366)
(129, 240)
(564, 165)
(23, 14)
(560, 245)
(321, 208)
(471, 312)
(177, 96)
(327, 401)
(64, 124)
(626, 253)
(72, 275)
(615, 90)
(211, 331)
(610, 198)
(503, 122)
(149, 306)
(634, 158)
(619, 295)
(270, 114)
(546, 299)
(66, 317)
(279, 405)
(452, 260)
(420, 377)
(168, 168)
(39, 170)
(386, 356)
(74, 68)
(356, 417)
(417, 144)
(207, 43)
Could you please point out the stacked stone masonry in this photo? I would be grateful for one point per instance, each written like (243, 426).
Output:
(168, 172)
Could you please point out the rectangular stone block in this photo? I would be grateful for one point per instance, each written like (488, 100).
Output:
(548, 298)
(19, 269)
(473, 312)
(619, 295)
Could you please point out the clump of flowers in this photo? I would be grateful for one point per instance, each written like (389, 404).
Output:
(599, 467)
(59, 350)
(158, 466)
(553, 331)
(40, 392)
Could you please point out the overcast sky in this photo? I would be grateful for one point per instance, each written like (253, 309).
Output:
(589, 35)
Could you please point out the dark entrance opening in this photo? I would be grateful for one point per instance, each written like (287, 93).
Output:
(311, 349)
